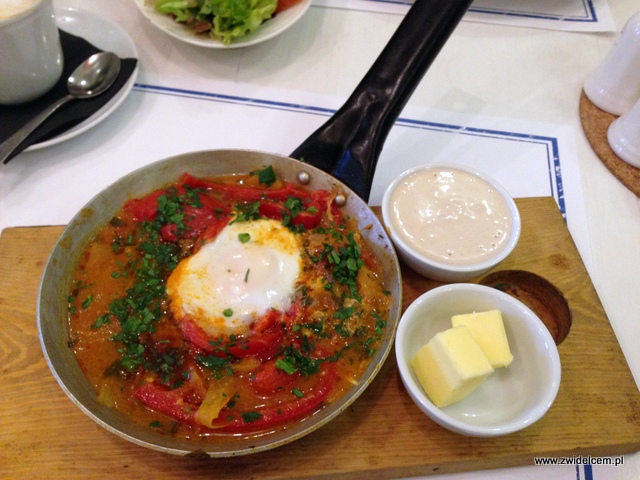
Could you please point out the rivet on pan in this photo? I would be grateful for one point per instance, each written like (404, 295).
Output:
(304, 178)
(340, 200)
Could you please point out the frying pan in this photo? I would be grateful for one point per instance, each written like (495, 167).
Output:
(340, 156)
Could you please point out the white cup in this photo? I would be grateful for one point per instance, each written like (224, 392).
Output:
(614, 86)
(624, 136)
(30, 52)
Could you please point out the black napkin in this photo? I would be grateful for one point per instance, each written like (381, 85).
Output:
(75, 50)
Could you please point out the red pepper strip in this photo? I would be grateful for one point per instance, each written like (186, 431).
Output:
(270, 416)
(211, 232)
(243, 193)
(194, 182)
(261, 342)
(164, 400)
(195, 335)
(309, 220)
(263, 345)
(144, 209)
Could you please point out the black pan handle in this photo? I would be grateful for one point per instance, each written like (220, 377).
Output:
(348, 145)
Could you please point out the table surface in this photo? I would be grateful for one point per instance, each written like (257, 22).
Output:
(516, 73)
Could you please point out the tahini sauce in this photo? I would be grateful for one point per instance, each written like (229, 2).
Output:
(450, 216)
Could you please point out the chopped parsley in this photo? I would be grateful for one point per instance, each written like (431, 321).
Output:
(171, 209)
(87, 301)
(246, 212)
(218, 366)
(286, 366)
(142, 306)
(344, 262)
(294, 360)
(267, 176)
(102, 320)
(249, 417)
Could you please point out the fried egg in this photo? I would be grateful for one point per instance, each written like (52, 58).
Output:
(249, 268)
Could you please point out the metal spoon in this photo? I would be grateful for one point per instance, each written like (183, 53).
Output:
(92, 77)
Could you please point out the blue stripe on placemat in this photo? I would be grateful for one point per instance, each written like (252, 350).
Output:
(550, 144)
(588, 17)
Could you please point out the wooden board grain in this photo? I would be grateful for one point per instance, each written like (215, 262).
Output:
(383, 435)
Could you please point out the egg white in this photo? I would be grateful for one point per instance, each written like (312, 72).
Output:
(228, 284)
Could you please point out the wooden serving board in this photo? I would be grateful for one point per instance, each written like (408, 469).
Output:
(383, 435)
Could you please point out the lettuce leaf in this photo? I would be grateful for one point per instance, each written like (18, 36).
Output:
(229, 19)
(181, 9)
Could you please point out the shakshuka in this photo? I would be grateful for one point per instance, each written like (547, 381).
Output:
(229, 305)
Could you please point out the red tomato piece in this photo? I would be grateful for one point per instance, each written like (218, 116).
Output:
(211, 213)
(270, 379)
(270, 416)
(284, 4)
(144, 209)
(308, 219)
(273, 210)
(211, 232)
(170, 232)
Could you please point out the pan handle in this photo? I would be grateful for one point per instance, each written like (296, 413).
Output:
(348, 145)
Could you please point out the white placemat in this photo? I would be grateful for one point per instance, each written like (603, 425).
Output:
(567, 15)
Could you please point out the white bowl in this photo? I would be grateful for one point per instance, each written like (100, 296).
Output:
(441, 270)
(510, 399)
(269, 29)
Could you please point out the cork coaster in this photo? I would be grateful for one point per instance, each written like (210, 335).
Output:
(595, 123)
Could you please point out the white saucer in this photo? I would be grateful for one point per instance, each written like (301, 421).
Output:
(104, 35)
(269, 29)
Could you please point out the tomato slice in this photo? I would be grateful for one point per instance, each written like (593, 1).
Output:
(284, 4)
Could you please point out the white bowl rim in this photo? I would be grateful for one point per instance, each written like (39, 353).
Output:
(480, 266)
(180, 32)
(440, 416)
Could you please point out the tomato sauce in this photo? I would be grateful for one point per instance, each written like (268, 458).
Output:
(168, 373)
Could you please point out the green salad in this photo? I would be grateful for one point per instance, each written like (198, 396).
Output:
(224, 20)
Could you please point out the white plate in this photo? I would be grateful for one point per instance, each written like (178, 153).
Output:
(267, 30)
(105, 35)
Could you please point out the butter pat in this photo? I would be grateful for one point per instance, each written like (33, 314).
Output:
(451, 366)
(487, 328)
